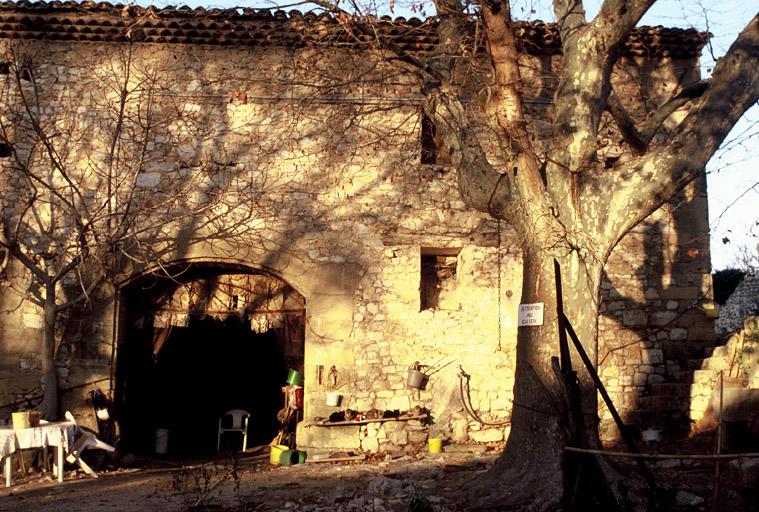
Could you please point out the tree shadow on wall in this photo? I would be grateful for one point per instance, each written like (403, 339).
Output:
(658, 333)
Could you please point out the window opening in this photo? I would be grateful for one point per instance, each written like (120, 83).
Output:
(438, 278)
(429, 144)
(434, 151)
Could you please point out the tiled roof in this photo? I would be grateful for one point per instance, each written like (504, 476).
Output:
(93, 21)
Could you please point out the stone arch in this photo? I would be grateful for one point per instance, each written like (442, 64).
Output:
(327, 289)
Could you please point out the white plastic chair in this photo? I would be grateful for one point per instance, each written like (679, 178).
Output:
(239, 424)
(84, 440)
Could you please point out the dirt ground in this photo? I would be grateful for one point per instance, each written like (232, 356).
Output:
(250, 483)
(424, 482)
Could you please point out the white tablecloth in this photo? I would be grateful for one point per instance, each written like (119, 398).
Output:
(59, 434)
(49, 434)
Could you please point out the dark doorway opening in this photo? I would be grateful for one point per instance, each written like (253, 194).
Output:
(196, 346)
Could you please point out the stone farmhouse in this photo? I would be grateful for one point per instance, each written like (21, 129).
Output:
(290, 209)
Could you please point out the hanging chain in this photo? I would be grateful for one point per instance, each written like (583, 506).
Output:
(499, 257)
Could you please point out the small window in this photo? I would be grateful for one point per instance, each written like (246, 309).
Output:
(6, 150)
(429, 145)
(433, 149)
(438, 278)
(5, 68)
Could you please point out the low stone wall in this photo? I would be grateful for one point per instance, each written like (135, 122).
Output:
(738, 363)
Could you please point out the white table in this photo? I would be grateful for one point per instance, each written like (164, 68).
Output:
(58, 434)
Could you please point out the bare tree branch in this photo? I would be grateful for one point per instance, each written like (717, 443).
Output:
(590, 52)
(639, 139)
(647, 182)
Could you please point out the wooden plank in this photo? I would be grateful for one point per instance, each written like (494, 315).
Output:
(336, 459)
(365, 422)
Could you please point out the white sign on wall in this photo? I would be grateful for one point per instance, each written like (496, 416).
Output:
(531, 314)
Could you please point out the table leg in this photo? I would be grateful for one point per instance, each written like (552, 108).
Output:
(7, 467)
(59, 457)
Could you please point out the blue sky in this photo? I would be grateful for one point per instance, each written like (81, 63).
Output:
(733, 179)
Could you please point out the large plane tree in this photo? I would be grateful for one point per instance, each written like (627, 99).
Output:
(565, 204)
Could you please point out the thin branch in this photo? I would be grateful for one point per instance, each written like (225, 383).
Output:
(363, 26)
(647, 182)
(657, 118)
(626, 125)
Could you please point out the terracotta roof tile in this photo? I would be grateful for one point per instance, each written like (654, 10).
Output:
(102, 21)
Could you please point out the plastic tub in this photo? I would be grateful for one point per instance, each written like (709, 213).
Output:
(288, 457)
(435, 444)
(334, 399)
(276, 453)
(20, 420)
(294, 378)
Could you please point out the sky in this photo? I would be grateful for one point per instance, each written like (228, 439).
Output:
(732, 174)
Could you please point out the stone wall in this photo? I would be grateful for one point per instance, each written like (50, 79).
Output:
(323, 188)
(654, 322)
(733, 366)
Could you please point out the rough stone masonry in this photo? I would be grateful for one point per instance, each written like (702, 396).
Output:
(316, 143)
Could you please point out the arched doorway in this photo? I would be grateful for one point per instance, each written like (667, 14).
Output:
(197, 341)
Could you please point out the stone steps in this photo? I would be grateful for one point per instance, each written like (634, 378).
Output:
(675, 423)
(683, 350)
(712, 363)
(690, 366)
(671, 389)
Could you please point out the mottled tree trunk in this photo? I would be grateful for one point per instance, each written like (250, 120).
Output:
(49, 405)
(530, 472)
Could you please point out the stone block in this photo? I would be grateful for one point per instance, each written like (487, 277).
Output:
(663, 317)
(681, 292)
(417, 436)
(399, 402)
(338, 438)
(459, 430)
(701, 333)
(490, 435)
(651, 294)
(370, 444)
(634, 317)
(398, 438)
(653, 356)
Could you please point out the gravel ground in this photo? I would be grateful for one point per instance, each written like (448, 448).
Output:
(421, 483)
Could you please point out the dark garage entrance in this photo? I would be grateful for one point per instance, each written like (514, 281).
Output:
(198, 344)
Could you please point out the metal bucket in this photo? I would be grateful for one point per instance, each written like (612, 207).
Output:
(415, 379)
